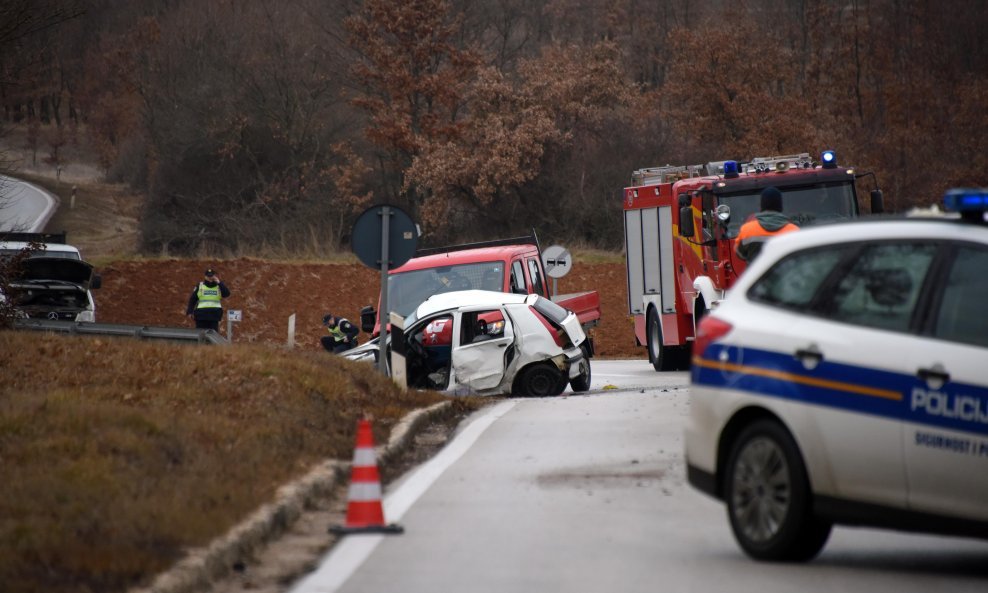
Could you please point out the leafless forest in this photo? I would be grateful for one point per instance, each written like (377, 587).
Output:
(278, 121)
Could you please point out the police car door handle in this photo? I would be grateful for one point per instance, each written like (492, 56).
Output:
(937, 375)
(809, 356)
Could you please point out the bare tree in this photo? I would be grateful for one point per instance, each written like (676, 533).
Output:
(412, 77)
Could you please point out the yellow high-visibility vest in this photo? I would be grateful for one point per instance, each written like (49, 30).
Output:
(209, 297)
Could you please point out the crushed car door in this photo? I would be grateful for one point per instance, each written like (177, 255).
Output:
(482, 338)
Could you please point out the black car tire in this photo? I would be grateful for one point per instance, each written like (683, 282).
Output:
(582, 382)
(662, 357)
(769, 501)
(539, 380)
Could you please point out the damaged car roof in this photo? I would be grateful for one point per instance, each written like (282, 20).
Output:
(466, 298)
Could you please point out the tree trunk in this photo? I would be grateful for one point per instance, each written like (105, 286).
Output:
(56, 104)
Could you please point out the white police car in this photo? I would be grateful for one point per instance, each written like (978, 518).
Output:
(844, 380)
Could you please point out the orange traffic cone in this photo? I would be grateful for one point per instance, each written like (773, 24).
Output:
(365, 513)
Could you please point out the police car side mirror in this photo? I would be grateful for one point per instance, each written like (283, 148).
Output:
(877, 202)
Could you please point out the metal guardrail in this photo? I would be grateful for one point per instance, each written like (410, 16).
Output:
(141, 332)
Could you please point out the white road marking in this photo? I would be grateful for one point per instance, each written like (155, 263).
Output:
(348, 554)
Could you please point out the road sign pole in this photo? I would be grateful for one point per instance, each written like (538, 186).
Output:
(384, 315)
(377, 249)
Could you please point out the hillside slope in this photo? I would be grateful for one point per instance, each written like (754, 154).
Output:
(103, 224)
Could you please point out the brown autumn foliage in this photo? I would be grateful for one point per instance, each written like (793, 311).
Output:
(484, 119)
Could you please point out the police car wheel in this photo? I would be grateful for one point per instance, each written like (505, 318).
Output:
(539, 380)
(768, 496)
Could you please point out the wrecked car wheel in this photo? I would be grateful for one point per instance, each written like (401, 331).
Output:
(582, 382)
(539, 380)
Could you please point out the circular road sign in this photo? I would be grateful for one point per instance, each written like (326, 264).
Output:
(557, 261)
(367, 235)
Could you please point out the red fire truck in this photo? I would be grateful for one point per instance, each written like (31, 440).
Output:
(679, 227)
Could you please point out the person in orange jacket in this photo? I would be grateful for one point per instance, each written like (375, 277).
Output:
(767, 223)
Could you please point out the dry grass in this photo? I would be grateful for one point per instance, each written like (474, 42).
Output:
(115, 455)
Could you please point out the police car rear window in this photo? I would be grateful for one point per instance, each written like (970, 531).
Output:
(794, 281)
(866, 284)
(961, 317)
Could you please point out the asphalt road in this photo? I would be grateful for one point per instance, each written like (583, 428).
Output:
(587, 493)
(23, 206)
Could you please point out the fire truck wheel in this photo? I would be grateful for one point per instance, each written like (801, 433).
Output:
(659, 355)
(539, 380)
(582, 383)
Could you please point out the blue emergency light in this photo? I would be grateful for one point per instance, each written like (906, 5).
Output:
(829, 159)
(730, 169)
(966, 200)
(970, 203)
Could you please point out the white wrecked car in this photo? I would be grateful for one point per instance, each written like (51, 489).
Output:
(488, 343)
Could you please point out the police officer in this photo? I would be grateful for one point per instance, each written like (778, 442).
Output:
(767, 223)
(342, 334)
(205, 305)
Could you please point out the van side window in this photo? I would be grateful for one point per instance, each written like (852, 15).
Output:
(534, 271)
(518, 278)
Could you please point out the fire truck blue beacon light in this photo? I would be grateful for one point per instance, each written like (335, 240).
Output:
(829, 159)
(730, 169)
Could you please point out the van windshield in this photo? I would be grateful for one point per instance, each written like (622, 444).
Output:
(407, 290)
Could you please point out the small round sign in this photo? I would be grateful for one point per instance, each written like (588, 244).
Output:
(366, 236)
(557, 261)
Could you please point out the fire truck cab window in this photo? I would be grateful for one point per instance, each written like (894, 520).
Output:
(804, 205)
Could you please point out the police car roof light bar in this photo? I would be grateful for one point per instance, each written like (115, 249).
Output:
(971, 203)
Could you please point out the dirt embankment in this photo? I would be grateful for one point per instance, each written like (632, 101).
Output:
(156, 293)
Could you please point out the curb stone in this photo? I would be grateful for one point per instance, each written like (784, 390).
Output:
(202, 566)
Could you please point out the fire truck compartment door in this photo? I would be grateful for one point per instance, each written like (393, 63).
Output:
(651, 270)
